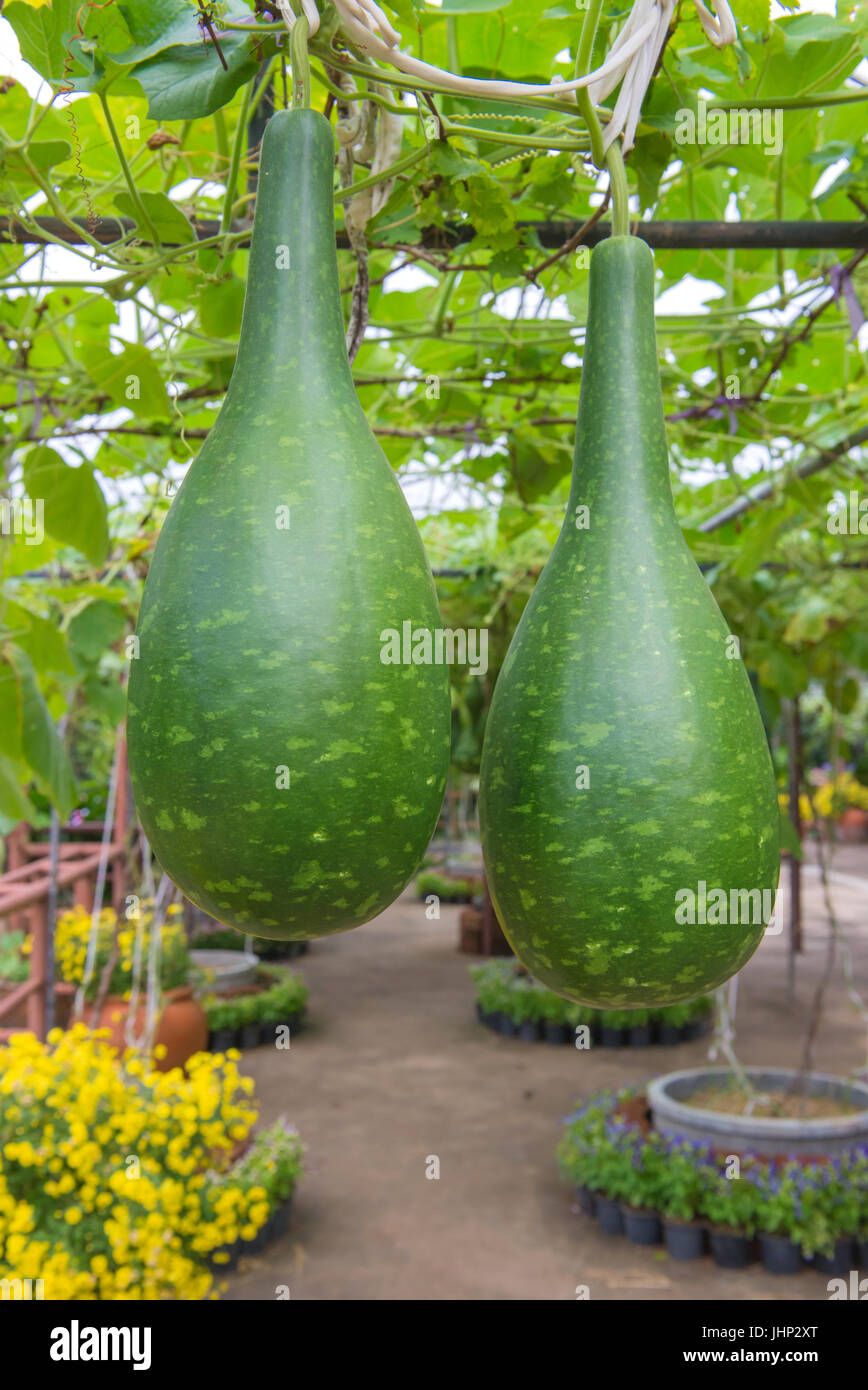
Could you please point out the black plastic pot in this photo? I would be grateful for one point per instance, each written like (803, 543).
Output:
(669, 1034)
(587, 1200)
(609, 1215)
(779, 1255)
(842, 1259)
(492, 1020)
(261, 1239)
(729, 1249)
(480, 1012)
(528, 1030)
(611, 1037)
(640, 1035)
(221, 1039)
(694, 1028)
(556, 1033)
(684, 1240)
(280, 1219)
(506, 1027)
(642, 1227)
(863, 1254)
(250, 1035)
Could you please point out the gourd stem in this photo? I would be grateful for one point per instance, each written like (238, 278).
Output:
(300, 62)
(620, 190)
(613, 158)
(583, 65)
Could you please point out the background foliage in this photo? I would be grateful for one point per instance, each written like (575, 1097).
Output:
(115, 358)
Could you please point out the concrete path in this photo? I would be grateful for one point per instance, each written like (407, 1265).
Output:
(394, 1072)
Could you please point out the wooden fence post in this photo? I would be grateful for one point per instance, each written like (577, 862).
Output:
(38, 960)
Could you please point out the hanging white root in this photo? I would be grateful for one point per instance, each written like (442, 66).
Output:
(308, 7)
(390, 133)
(631, 60)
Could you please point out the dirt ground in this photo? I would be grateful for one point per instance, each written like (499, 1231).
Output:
(394, 1072)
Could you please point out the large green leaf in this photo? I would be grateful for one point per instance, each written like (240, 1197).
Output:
(42, 640)
(40, 742)
(96, 628)
(184, 83)
(167, 219)
(130, 378)
(74, 507)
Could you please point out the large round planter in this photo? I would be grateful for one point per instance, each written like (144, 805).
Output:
(182, 1027)
(779, 1255)
(685, 1240)
(759, 1134)
(228, 969)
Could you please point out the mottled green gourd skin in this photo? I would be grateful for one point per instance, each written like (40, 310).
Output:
(259, 645)
(620, 664)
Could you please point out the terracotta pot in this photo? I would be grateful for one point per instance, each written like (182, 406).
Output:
(182, 1027)
(853, 825)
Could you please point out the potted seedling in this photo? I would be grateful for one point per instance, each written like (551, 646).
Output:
(639, 1028)
(639, 1192)
(729, 1205)
(670, 1024)
(223, 1020)
(696, 1023)
(778, 1210)
(282, 1005)
(249, 1019)
(835, 1206)
(554, 1019)
(612, 1025)
(678, 1186)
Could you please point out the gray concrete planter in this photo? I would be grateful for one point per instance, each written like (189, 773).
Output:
(230, 969)
(756, 1133)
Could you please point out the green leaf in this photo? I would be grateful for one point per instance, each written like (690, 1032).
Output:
(167, 219)
(40, 741)
(472, 6)
(130, 378)
(74, 507)
(157, 25)
(190, 82)
(43, 153)
(14, 805)
(220, 308)
(10, 713)
(96, 628)
(40, 30)
(42, 640)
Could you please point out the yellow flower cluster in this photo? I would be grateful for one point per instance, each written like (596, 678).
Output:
(831, 798)
(113, 1177)
(72, 935)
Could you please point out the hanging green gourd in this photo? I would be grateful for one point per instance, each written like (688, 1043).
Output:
(629, 813)
(287, 779)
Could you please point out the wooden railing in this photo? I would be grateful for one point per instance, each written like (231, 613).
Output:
(26, 888)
